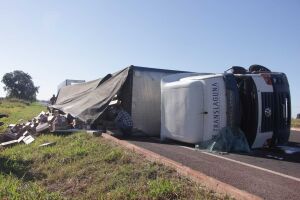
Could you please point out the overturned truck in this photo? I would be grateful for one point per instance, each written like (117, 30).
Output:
(186, 106)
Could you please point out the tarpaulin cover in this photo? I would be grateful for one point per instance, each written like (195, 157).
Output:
(87, 101)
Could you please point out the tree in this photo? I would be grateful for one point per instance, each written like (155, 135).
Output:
(19, 84)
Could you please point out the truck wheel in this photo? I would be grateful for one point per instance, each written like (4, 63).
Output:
(258, 69)
(238, 70)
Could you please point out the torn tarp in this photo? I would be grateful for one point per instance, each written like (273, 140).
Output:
(87, 101)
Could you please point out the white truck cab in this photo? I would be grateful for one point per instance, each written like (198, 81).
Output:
(196, 106)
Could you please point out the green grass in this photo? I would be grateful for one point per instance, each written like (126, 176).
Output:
(80, 166)
(14, 188)
(296, 123)
(18, 111)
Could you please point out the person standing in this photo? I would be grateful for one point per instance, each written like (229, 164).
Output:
(53, 100)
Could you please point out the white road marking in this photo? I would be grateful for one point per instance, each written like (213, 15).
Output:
(246, 164)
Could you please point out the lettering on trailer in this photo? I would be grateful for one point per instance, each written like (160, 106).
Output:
(215, 106)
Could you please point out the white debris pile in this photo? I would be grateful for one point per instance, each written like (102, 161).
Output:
(45, 122)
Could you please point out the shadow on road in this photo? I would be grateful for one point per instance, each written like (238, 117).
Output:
(266, 153)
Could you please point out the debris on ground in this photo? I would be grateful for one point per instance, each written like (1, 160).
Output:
(3, 115)
(96, 133)
(275, 157)
(45, 122)
(47, 144)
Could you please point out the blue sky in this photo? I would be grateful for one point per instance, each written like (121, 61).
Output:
(56, 40)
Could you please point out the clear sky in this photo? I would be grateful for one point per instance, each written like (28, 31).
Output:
(58, 40)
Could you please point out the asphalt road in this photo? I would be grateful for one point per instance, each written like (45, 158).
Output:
(271, 174)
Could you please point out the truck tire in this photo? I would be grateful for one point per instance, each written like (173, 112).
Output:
(238, 70)
(258, 69)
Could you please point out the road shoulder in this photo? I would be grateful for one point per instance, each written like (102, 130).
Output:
(197, 176)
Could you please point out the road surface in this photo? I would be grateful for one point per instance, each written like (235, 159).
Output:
(271, 174)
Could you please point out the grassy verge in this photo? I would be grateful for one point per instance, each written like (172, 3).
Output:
(80, 166)
(18, 110)
(296, 123)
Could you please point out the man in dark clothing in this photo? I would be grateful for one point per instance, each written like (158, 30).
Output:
(53, 100)
(122, 119)
(124, 122)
